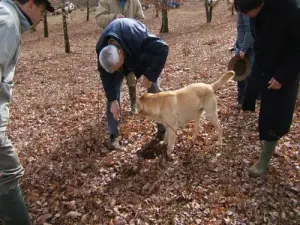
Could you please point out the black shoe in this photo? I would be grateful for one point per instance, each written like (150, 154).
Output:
(113, 142)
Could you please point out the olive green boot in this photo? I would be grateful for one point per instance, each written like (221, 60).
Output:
(132, 95)
(261, 166)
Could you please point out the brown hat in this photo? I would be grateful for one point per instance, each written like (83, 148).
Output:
(240, 66)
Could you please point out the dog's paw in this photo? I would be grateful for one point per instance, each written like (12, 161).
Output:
(163, 144)
(219, 143)
(169, 157)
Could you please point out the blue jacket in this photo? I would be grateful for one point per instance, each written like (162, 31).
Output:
(244, 40)
(140, 47)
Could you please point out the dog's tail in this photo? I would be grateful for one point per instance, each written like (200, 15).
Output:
(222, 80)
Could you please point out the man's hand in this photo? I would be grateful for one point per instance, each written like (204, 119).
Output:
(119, 16)
(274, 84)
(242, 54)
(115, 109)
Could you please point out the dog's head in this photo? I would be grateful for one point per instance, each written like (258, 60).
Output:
(142, 104)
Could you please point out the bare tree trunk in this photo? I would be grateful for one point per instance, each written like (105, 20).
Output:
(65, 28)
(87, 10)
(208, 9)
(46, 32)
(164, 17)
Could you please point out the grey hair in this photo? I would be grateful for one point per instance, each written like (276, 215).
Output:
(109, 57)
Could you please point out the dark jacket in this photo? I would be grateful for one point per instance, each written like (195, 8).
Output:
(277, 39)
(277, 54)
(141, 49)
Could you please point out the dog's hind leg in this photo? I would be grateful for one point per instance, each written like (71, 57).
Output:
(213, 118)
(171, 144)
(197, 124)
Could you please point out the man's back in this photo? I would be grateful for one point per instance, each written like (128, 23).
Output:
(110, 9)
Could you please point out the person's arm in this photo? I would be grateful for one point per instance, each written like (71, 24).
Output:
(139, 14)
(8, 44)
(103, 16)
(108, 85)
(240, 31)
(247, 39)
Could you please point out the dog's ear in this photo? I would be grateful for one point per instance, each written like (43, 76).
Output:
(144, 96)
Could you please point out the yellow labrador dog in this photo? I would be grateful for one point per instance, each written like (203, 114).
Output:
(175, 108)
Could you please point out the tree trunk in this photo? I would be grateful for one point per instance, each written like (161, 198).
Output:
(208, 9)
(46, 32)
(164, 17)
(65, 28)
(87, 10)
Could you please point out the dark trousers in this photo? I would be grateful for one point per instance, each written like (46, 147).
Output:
(13, 210)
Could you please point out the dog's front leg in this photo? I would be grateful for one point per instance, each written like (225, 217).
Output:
(214, 120)
(171, 143)
(166, 137)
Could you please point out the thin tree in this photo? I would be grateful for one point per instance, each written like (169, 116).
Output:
(87, 10)
(209, 6)
(65, 28)
(208, 10)
(46, 31)
(164, 17)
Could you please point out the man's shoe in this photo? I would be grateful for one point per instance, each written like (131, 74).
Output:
(113, 142)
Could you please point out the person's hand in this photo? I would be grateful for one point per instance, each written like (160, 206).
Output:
(242, 54)
(115, 109)
(119, 16)
(274, 84)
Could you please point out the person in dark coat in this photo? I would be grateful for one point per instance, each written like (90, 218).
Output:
(275, 73)
(243, 47)
(125, 46)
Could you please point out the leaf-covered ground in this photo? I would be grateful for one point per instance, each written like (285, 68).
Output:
(58, 124)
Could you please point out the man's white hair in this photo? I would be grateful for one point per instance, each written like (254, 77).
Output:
(109, 57)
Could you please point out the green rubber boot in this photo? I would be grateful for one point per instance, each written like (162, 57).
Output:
(132, 95)
(261, 166)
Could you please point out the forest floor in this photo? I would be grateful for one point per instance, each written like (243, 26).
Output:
(58, 125)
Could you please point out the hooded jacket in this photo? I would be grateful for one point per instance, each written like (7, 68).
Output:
(13, 22)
